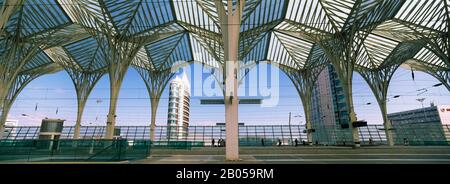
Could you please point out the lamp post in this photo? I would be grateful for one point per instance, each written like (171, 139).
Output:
(290, 131)
(300, 124)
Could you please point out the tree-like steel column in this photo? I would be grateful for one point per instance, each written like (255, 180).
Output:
(118, 61)
(155, 81)
(304, 81)
(342, 53)
(378, 79)
(18, 84)
(344, 48)
(12, 61)
(230, 21)
(84, 79)
(304, 85)
(84, 83)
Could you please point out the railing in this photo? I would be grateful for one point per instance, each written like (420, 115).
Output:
(253, 135)
(29, 150)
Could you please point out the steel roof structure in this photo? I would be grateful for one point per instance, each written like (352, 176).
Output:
(92, 38)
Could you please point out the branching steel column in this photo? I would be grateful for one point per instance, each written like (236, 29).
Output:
(342, 54)
(84, 83)
(118, 56)
(14, 58)
(230, 21)
(378, 80)
(155, 81)
(18, 85)
(304, 81)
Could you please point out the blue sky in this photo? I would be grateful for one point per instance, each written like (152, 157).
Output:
(54, 92)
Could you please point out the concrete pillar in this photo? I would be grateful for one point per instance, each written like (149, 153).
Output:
(231, 90)
(230, 25)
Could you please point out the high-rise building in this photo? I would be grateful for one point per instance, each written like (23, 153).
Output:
(179, 102)
(329, 112)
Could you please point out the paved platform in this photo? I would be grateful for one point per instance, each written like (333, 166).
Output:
(304, 155)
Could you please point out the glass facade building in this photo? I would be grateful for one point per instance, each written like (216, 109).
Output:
(329, 110)
(421, 126)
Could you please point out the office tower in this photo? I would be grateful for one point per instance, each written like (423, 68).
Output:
(329, 112)
(179, 102)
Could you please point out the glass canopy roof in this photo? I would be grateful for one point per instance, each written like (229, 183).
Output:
(288, 32)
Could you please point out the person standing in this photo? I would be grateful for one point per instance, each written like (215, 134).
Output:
(213, 142)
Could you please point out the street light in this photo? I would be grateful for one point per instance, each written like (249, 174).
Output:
(290, 131)
(298, 116)
(421, 100)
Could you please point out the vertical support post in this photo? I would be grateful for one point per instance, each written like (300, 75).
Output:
(230, 21)
(3, 116)
(111, 117)
(154, 107)
(307, 109)
(304, 81)
(76, 133)
(290, 130)
(155, 81)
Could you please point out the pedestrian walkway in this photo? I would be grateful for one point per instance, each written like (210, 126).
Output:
(305, 155)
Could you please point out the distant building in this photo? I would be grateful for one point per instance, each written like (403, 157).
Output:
(329, 110)
(422, 126)
(10, 130)
(179, 103)
(434, 114)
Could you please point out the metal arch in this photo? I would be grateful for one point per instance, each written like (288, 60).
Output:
(83, 78)
(325, 15)
(378, 79)
(305, 79)
(155, 81)
(19, 82)
(441, 74)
